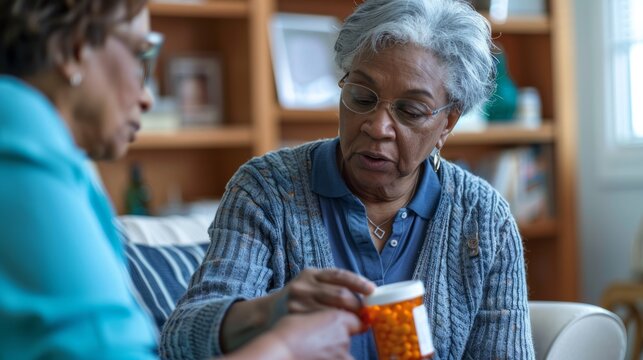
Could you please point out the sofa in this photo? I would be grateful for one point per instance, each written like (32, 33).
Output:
(163, 252)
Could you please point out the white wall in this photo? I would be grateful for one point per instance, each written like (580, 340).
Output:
(609, 214)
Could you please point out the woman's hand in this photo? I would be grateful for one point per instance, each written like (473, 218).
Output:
(321, 289)
(323, 335)
(311, 291)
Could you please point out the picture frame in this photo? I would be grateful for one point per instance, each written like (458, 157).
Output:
(196, 84)
(302, 55)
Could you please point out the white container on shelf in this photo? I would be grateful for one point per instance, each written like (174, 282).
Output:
(526, 8)
(471, 121)
(529, 113)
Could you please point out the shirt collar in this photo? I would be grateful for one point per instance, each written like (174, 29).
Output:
(328, 182)
(427, 192)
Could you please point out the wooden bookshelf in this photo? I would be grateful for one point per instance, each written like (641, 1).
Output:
(539, 54)
(200, 162)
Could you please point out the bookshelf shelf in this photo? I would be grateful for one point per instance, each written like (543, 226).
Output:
(330, 116)
(229, 136)
(534, 24)
(209, 9)
(538, 229)
(504, 135)
(493, 135)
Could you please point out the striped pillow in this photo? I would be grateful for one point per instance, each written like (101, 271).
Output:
(160, 275)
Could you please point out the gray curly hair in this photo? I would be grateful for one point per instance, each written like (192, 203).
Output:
(34, 32)
(451, 29)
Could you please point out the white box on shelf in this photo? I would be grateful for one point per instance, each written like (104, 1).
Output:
(302, 57)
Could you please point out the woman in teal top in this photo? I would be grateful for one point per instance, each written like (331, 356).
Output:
(66, 93)
(72, 75)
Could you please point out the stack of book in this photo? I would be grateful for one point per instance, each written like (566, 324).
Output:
(521, 176)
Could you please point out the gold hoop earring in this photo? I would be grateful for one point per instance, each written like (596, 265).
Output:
(75, 79)
(436, 160)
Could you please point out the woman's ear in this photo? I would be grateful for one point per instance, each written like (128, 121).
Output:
(452, 119)
(70, 66)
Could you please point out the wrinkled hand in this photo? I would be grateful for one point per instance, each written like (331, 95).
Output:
(319, 336)
(313, 290)
(322, 289)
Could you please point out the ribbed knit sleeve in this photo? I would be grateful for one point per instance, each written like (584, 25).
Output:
(240, 263)
(473, 268)
(501, 329)
(267, 229)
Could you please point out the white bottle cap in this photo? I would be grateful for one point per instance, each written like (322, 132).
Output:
(396, 292)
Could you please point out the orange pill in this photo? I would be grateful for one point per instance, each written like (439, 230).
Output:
(399, 321)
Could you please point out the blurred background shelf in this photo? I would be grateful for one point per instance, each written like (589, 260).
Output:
(538, 229)
(535, 48)
(303, 116)
(532, 24)
(197, 163)
(201, 162)
(198, 138)
(213, 9)
(504, 135)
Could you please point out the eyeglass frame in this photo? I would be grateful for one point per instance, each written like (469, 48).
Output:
(391, 108)
(149, 56)
(146, 57)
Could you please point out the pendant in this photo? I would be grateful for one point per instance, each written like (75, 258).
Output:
(379, 232)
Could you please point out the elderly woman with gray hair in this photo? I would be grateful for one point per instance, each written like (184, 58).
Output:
(302, 229)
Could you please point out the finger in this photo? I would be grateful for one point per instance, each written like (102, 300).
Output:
(298, 307)
(350, 280)
(337, 296)
(302, 296)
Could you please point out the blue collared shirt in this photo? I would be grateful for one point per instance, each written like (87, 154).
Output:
(345, 220)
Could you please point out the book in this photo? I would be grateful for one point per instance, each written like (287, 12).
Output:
(521, 176)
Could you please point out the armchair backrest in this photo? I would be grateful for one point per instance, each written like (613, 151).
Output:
(566, 330)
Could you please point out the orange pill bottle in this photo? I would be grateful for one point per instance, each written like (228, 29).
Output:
(399, 321)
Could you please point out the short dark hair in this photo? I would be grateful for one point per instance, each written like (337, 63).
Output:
(33, 32)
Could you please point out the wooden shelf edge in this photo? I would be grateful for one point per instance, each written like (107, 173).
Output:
(207, 9)
(493, 135)
(538, 229)
(521, 24)
(304, 116)
(228, 136)
(500, 135)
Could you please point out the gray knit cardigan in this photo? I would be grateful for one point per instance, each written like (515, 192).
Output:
(269, 227)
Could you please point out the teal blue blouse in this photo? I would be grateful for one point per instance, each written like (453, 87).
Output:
(64, 290)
